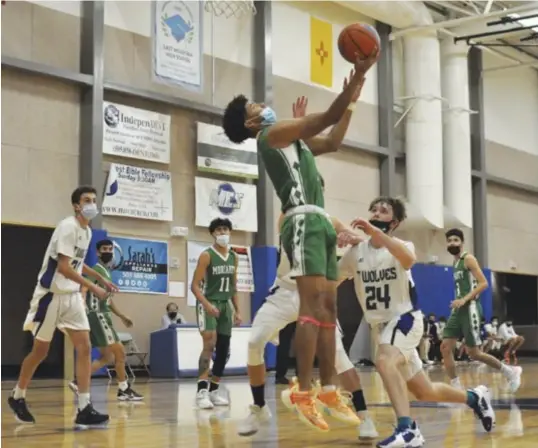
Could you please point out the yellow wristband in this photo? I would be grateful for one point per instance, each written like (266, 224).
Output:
(352, 106)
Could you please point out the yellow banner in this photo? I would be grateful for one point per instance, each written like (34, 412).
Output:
(321, 52)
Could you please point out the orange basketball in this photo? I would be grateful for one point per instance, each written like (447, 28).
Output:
(358, 39)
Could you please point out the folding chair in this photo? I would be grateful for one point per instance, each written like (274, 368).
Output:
(135, 360)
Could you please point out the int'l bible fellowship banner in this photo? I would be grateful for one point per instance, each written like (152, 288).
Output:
(135, 192)
(136, 133)
(177, 43)
(245, 278)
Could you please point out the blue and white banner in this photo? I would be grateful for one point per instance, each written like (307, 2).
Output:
(222, 199)
(140, 266)
(136, 133)
(135, 192)
(178, 54)
(217, 154)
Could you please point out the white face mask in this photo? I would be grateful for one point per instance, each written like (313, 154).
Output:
(89, 211)
(223, 240)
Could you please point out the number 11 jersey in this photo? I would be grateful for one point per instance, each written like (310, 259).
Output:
(219, 283)
(384, 288)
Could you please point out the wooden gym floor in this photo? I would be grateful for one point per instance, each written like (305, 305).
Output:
(167, 418)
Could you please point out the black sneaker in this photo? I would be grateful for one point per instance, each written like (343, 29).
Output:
(20, 409)
(90, 417)
(129, 395)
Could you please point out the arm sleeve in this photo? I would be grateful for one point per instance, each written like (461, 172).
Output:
(67, 240)
(347, 264)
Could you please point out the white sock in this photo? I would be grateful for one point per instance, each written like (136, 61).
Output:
(506, 370)
(328, 388)
(19, 393)
(83, 400)
(123, 385)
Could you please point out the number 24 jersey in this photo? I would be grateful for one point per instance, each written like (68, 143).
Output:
(384, 288)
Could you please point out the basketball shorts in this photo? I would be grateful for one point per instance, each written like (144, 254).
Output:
(465, 323)
(405, 333)
(102, 332)
(50, 311)
(309, 241)
(222, 324)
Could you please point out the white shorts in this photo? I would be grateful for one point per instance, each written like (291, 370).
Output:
(405, 333)
(50, 311)
(280, 309)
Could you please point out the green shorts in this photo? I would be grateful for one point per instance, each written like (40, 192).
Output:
(309, 241)
(102, 333)
(465, 322)
(222, 324)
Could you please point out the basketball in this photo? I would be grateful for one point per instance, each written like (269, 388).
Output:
(358, 38)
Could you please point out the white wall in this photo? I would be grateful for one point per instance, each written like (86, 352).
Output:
(511, 105)
(291, 43)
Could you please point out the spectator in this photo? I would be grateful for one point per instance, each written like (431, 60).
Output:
(172, 316)
(428, 339)
(441, 326)
(511, 339)
(492, 342)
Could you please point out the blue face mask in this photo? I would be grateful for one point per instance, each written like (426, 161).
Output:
(269, 116)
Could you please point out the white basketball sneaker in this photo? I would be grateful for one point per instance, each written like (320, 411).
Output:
(257, 416)
(203, 401)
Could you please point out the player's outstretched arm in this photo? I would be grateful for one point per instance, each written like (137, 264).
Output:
(283, 133)
(323, 144)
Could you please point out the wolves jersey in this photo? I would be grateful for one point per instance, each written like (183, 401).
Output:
(384, 288)
(68, 239)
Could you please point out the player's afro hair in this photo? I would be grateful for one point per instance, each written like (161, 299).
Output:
(455, 232)
(398, 206)
(234, 120)
(220, 222)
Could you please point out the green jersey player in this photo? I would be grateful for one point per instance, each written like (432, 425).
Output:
(464, 320)
(288, 148)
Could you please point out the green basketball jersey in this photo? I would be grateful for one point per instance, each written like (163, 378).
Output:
(293, 172)
(219, 278)
(463, 279)
(93, 303)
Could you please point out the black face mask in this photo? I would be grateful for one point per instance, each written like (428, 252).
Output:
(454, 250)
(508, 324)
(384, 226)
(172, 314)
(106, 257)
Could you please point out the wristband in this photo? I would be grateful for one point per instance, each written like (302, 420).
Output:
(352, 107)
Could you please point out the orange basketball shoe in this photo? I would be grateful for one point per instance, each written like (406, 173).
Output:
(304, 404)
(337, 405)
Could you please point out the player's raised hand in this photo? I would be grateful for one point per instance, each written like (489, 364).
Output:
(299, 107)
(348, 239)
(363, 65)
(357, 92)
(364, 225)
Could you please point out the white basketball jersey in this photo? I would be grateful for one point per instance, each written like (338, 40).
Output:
(384, 288)
(68, 239)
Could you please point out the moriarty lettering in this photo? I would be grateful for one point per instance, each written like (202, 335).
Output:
(224, 269)
(379, 276)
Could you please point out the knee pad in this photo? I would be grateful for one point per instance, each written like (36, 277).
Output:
(256, 346)
(222, 354)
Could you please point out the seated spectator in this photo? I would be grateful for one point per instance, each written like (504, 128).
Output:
(441, 324)
(429, 339)
(492, 342)
(172, 316)
(510, 339)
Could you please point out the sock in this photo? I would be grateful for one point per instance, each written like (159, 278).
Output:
(404, 422)
(123, 385)
(83, 401)
(213, 386)
(203, 384)
(328, 388)
(472, 399)
(358, 400)
(19, 393)
(258, 394)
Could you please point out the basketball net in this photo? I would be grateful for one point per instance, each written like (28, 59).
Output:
(230, 8)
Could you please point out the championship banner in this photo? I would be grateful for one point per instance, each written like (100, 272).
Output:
(136, 133)
(140, 266)
(136, 192)
(231, 200)
(177, 43)
(245, 277)
(217, 154)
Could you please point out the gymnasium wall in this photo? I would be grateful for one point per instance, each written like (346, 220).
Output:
(40, 125)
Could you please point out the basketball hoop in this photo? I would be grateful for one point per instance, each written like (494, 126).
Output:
(230, 8)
